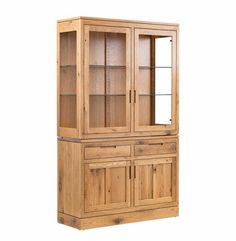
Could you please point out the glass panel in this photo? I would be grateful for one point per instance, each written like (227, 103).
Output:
(163, 80)
(163, 51)
(163, 109)
(107, 79)
(155, 80)
(115, 81)
(97, 111)
(68, 79)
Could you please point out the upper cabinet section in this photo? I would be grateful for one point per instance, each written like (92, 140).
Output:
(155, 80)
(117, 78)
(107, 70)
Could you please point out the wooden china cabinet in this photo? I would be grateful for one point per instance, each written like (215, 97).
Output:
(117, 121)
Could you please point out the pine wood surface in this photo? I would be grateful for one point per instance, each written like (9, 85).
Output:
(116, 219)
(115, 164)
(139, 182)
(118, 114)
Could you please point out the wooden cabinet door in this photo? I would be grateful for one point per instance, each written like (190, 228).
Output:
(107, 70)
(155, 181)
(107, 185)
(156, 80)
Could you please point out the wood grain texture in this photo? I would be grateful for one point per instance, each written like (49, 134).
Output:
(107, 62)
(105, 179)
(145, 81)
(106, 151)
(67, 100)
(68, 133)
(113, 21)
(67, 67)
(155, 148)
(68, 48)
(97, 117)
(107, 186)
(79, 83)
(96, 48)
(145, 116)
(95, 222)
(153, 182)
(69, 178)
(68, 80)
(114, 164)
(68, 111)
(115, 29)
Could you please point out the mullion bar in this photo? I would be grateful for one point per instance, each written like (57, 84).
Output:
(105, 77)
(152, 84)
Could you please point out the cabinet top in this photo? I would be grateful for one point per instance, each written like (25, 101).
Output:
(116, 20)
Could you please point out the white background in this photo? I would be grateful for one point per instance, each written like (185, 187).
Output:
(207, 119)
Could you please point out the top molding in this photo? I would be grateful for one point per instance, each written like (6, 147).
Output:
(117, 20)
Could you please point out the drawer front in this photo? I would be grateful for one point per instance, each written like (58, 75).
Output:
(107, 151)
(155, 148)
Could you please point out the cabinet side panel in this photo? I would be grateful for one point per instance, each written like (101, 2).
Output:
(60, 176)
(69, 98)
(69, 178)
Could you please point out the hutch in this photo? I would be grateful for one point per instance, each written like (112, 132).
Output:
(117, 121)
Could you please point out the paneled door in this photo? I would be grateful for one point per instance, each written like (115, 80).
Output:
(155, 181)
(107, 185)
(107, 79)
(155, 80)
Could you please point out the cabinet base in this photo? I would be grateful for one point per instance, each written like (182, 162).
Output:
(114, 219)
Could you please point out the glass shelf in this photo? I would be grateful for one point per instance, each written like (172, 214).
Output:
(108, 66)
(155, 94)
(155, 67)
(67, 94)
(107, 95)
(67, 65)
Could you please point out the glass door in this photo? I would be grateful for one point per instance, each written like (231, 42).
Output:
(155, 80)
(107, 79)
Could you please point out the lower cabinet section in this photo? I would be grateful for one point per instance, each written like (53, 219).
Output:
(97, 190)
(107, 185)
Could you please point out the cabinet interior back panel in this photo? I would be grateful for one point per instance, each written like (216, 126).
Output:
(107, 76)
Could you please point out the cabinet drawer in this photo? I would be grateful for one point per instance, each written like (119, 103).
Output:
(107, 151)
(155, 148)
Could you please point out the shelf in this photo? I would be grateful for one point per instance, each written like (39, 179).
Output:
(107, 95)
(108, 66)
(155, 94)
(68, 94)
(155, 67)
(68, 65)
